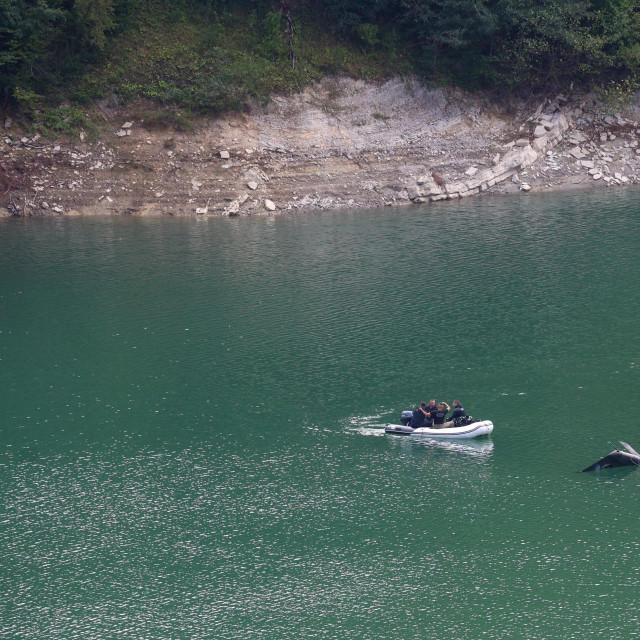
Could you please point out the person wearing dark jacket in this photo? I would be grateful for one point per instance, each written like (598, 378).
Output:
(458, 411)
(439, 416)
(420, 417)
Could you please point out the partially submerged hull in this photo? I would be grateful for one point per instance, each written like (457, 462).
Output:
(617, 458)
(473, 430)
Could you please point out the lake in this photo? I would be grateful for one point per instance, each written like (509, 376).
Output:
(192, 410)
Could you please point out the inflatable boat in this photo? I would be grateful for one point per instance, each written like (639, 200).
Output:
(465, 428)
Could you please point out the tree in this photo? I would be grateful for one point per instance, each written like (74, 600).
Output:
(94, 19)
(27, 30)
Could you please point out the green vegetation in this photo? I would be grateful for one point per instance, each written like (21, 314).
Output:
(194, 56)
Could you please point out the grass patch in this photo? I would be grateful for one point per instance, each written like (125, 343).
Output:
(226, 64)
(166, 119)
(63, 122)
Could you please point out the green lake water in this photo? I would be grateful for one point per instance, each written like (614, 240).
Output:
(191, 415)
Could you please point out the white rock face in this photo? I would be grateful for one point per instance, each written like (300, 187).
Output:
(224, 155)
(539, 131)
(587, 164)
(471, 171)
(127, 125)
(269, 205)
(252, 185)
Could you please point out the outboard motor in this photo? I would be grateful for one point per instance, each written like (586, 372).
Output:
(405, 418)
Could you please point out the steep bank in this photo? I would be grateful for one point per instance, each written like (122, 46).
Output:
(340, 143)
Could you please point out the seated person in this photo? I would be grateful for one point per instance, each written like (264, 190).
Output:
(420, 417)
(439, 416)
(458, 411)
(432, 406)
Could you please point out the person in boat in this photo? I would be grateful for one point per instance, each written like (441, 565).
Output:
(458, 411)
(420, 417)
(433, 407)
(439, 416)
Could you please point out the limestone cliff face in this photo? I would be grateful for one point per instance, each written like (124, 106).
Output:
(340, 143)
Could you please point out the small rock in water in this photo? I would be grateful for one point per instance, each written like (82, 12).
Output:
(525, 187)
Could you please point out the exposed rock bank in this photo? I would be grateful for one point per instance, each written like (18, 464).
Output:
(341, 143)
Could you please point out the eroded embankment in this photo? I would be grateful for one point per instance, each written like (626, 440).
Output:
(341, 143)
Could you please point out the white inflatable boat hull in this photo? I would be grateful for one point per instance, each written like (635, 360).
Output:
(473, 430)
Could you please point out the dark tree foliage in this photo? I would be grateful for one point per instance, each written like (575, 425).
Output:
(28, 31)
(45, 44)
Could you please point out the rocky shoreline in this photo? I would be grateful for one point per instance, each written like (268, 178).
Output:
(339, 144)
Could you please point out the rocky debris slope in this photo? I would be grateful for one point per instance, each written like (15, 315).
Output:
(340, 143)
